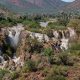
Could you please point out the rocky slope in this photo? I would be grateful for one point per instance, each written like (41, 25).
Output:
(73, 6)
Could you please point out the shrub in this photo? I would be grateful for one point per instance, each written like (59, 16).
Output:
(34, 45)
(55, 77)
(66, 59)
(2, 73)
(31, 24)
(57, 73)
(60, 70)
(10, 76)
(55, 26)
(54, 60)
(63, 58)
(29, 66)
(48, 52)
(14, 75)
(75, 46)
(49, 32)
(64, 18)
(74, 23)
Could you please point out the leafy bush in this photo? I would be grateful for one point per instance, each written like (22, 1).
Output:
(36, 30)
(14, 75)
(55, 77)
(60, 70)
(75, 46)
(55, 25)
(54, 60)
(3, 72)
(49, 32)
(29, 66)
(63, 58)
(48, 52)
(64, 18)
(57, 73)
(75, 23)
(34, 46)
(66, 59)
(31, 24)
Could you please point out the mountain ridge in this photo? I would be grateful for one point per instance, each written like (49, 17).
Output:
(34, 6)
(38, 6)
(74, 5)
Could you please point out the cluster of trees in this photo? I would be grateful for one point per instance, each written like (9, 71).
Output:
(63, 19)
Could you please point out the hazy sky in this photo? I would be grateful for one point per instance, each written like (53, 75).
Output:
(68, 0)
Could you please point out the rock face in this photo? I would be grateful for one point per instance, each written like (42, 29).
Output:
(9, 39)
(74, 5)
(72, 33)
(64, 44)
(14, 34)
(22, 45)
(40, 37)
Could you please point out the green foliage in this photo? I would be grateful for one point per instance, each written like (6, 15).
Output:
(14, 75)
(60, 70)
(75, 49)
(49, 32)
(55, 77)
(57, 73)
(34, 46)
(48, 52)
(62, 58)
(75, 23)
(55, 60)
(2, 73)
(9, 75)
(29, 66)
(75, 46)
(31, 24)
(56, 25)
(66, 59)
(36, 30)
(64, 18)
(7, 21)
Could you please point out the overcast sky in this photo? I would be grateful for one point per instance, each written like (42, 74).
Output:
(68, 0)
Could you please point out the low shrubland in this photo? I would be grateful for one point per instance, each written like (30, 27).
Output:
(57, 73)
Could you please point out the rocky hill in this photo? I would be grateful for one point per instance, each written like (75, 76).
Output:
(33, 6)
(73, 6)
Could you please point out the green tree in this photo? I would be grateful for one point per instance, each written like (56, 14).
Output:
(64, 18)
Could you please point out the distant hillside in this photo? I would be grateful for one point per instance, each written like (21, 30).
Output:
(73, 6)
(39, 6)
(4, 10)
(33, 6)
(7, 13)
